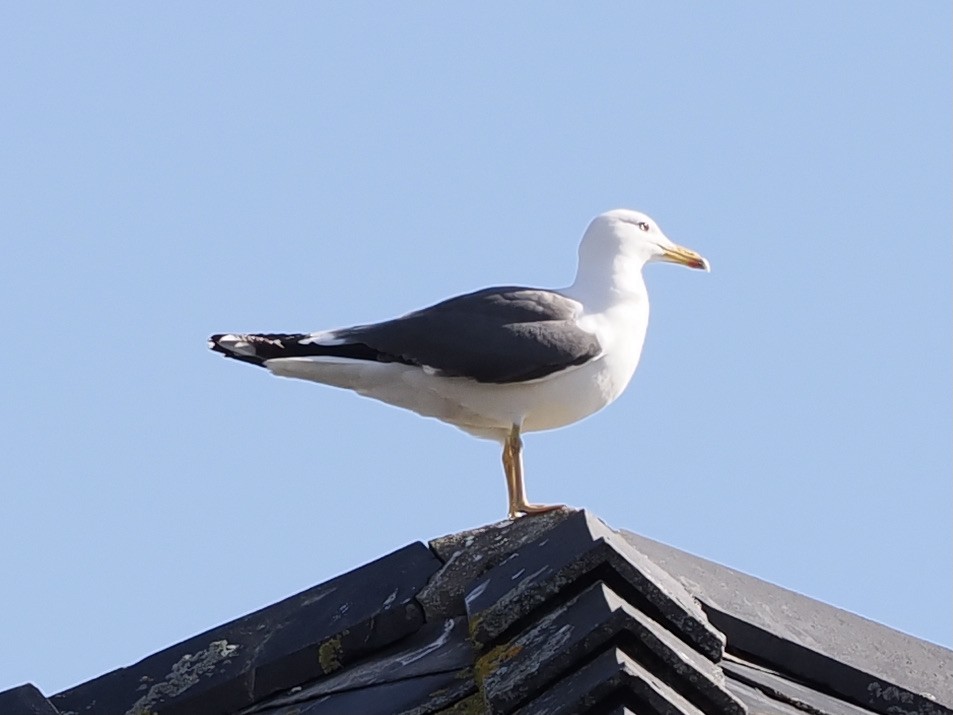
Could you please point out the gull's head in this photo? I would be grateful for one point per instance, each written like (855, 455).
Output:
(633, 234)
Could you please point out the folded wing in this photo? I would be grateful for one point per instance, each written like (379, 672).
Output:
(495, 335)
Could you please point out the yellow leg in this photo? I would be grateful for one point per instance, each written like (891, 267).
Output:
(513, 467)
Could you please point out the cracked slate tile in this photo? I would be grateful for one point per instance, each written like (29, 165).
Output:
(468, 554)
(580, 550)
(587, 624)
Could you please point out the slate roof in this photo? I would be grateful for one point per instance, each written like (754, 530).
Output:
(550, 615)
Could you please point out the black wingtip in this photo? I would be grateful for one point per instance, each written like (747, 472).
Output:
(219, 343)
(213, 342)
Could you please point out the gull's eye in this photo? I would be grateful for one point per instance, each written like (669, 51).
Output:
(643, 226)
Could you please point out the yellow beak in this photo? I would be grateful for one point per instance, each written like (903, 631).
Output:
(678, 254)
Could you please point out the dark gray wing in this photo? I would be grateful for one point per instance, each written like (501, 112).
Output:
(496, 335)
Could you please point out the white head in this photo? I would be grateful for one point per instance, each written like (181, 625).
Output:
(618, 243)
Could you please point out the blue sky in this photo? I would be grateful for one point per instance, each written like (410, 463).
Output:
(177, 169)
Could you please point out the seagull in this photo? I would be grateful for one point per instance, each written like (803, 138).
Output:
(501, 361)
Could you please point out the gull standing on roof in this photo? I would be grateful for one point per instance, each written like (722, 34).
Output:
(500, 361)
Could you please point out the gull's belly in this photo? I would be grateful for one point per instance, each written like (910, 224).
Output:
(562, 398)
(571, 396)
(483, 409)
(549, 403)
(489, 410)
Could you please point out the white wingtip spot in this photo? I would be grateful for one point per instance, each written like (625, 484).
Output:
(237, 344)
(323, 337)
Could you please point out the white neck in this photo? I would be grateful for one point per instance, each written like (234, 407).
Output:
(609, 271)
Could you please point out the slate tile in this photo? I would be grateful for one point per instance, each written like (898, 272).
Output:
(759, 703)
(574, 553)
(802, 697)
(421, 695)
(498, 539)
(859, 660)
(610, 682)
(825, 673)
(468, 554)
(25, 700)
(306, 636)
(435, 648)
(470, 705)
(589, 623)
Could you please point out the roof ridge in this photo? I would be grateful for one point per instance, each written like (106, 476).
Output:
(556, 613)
